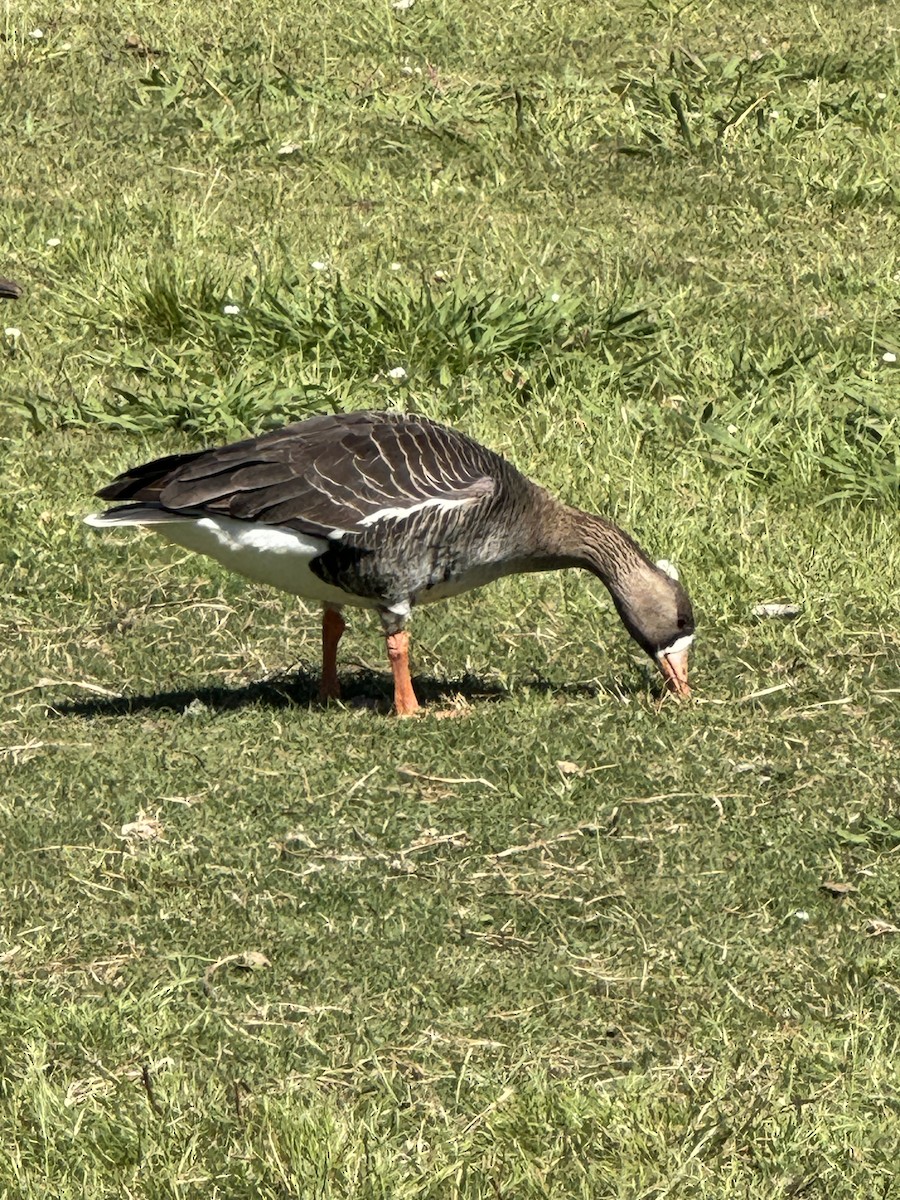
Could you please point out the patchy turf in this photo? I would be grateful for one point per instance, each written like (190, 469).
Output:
(574, 942)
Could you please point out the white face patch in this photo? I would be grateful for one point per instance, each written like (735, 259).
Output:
(398, 514)
(677, 647)
(667, 568)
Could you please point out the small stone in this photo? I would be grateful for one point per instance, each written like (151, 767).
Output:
(146, 829)
(253, 960)
(568, 768)
(785, 611)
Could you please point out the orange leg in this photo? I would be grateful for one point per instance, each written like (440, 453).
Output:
(405, 702)
(333, 626)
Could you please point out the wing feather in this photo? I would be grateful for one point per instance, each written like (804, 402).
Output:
(346, 474)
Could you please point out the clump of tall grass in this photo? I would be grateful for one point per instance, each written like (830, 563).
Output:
(439, 328)
(214, 357)
(220, 359)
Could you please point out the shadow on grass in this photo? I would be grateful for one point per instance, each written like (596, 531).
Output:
(361, 689)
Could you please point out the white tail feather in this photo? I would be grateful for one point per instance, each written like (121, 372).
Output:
(133, 516)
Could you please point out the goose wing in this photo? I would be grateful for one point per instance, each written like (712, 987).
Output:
(343, 476)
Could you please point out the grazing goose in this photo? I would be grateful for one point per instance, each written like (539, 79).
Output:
(9, 290)
(386, 511)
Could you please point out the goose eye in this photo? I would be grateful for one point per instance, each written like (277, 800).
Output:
(682, 621)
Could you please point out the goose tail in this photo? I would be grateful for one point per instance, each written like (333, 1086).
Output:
(132, 514)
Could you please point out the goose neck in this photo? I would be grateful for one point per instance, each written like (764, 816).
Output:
(601, 547)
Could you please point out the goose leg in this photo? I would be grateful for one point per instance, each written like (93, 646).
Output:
(333, 626)
(405, 702)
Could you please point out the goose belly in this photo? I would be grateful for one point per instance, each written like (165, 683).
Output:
(466, 581)
(270, 554)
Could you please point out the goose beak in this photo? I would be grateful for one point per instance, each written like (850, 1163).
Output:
(674, 668)
(673, 663)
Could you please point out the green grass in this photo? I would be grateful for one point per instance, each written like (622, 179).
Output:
(573, 942)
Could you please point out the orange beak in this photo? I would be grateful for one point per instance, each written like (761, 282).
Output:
(675, 670)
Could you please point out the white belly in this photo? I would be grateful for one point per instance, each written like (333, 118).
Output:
(268, 554)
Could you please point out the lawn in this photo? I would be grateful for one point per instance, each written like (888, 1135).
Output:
(576, 940)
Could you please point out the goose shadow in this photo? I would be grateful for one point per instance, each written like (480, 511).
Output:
(360, 689)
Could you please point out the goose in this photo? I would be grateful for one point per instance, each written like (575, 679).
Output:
(9, 290)
(385, 510)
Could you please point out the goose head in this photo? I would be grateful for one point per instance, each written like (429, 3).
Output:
(656, 611)
(650, 600)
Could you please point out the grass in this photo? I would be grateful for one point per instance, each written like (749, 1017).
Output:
(573, 942)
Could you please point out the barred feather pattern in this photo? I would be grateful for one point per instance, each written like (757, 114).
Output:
(405, 505)
(396, 510)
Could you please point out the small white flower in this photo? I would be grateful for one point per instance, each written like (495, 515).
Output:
(555, 297)
(37, 34)
(402, 5)
(54, 241)
(881, 95)
(289, 148)
(319, 266)
(406, 71)
(231, 310)
(732, 429)
(801, 914)
(12, 332)
(774, 114)
(888, 357)
(397, 373)
(396, 266)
